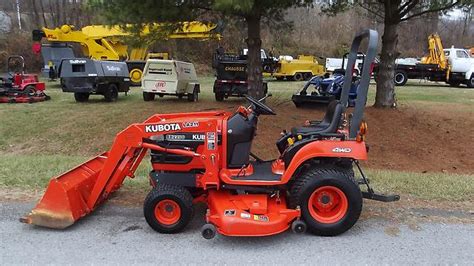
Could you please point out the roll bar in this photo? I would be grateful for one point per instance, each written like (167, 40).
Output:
(363, 89)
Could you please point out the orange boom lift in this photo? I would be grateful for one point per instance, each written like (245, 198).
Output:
(206, 157)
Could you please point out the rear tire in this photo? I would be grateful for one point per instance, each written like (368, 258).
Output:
(329, 198)
(168, 209)
(454, 83)
(29, 91)
(400, 78)
(307, 75)
(298, 77)
(219, 96)
(81, 96)
(470, 82)
(148, 97)
(111, 93)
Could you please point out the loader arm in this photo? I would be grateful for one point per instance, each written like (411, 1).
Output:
(76, 193)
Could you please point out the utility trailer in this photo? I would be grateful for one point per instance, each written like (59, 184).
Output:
(170, 77)
(83, 77)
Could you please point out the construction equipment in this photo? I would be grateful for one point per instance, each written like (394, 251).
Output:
(231, 75)
(103, 42)
(205, 157)
(19, 87)
(453, 66)
(302, 68)
(170, 77)
(84, 77)
(328, 88)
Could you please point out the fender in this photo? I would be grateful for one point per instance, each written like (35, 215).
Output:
(325, 148)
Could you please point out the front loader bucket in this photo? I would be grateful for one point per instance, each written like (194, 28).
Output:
(65, 199)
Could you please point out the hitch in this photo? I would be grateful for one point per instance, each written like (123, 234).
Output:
(370, 194)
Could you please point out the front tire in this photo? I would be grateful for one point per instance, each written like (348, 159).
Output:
(81, 96)
(329, 198)
(193, 97)
(470, 82)
(168, 209)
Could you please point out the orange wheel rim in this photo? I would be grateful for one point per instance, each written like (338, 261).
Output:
(328, 204)
(167, 212)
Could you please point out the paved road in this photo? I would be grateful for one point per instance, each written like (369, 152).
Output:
(119, 235)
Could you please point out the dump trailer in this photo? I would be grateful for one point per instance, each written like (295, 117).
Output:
(103, 42)
(302, 68)
(206, 157)
(83, 77)
(231, 76)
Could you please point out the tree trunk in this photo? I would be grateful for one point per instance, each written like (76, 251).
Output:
(35, 12)
(254, 62)
(385, 95)
(45, 22)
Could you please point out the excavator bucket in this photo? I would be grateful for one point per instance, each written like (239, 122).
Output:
(65, 199)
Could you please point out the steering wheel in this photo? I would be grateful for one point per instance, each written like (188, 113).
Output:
(259, 107)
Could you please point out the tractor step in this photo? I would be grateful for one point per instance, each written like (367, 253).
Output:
(380, 197)
(249, 214)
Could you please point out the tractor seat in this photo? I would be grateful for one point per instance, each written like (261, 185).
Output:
(329, 124)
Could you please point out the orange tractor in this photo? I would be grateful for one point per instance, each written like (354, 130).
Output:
(206, 157)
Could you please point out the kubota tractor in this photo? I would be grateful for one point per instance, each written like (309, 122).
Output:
(206, 157)
(19, 87)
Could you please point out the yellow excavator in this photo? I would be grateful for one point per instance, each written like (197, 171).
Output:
(103, 42)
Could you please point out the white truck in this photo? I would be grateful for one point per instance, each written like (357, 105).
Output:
(170, 77)
(461, 67)
(459, 70)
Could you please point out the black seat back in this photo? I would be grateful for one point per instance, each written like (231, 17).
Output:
(332, 117)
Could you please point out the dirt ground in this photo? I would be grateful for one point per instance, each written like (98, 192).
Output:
(410, 138)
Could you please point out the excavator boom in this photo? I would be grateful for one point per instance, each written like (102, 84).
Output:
(436, 53)
(103, 42)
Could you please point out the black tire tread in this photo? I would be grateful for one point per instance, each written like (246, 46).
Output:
(315, 172)
(177, 191)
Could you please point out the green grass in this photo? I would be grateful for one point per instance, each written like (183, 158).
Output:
(41, 140)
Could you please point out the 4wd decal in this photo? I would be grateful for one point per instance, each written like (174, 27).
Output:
(341, 150)
(191, 124)
(162, 127)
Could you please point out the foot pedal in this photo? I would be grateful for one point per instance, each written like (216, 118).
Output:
(380, 197)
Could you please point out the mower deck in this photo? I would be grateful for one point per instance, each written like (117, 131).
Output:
(249, 214)
(24, 99)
